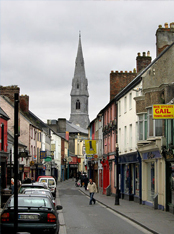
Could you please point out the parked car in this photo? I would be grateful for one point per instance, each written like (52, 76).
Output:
(35, 191)
(50, 181)
(32, 185)
(36, 214)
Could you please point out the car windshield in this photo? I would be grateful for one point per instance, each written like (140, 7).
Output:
(42, 192)
(31, 202)
(43, 180)
(50, 182)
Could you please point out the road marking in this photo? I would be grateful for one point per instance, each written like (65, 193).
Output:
(129, 221)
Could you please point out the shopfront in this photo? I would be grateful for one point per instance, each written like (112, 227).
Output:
(73, 169)
(106, 182)
(130, 169)
(169, 181)
(26, 172)
(153, 179)
(21, 172)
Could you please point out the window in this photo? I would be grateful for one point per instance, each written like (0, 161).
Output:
(119, 138)
(130, 136)
(130, 101)
(78, 105)
(142, 127)
(2, 136)
(125, 104)
(169, 131)
(125, 138)
(77, 85)
(119, 108)
(154, 126)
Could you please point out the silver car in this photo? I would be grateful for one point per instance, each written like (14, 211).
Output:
(34, 191)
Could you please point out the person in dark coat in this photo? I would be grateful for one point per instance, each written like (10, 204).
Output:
(86, 180)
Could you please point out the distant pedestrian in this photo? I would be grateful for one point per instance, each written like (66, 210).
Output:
(12, 185)
(86, 180)
(92, 189)
(32, 180)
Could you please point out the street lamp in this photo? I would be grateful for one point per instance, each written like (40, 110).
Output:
(117, 179)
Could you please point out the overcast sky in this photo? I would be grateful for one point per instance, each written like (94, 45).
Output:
(39, 41)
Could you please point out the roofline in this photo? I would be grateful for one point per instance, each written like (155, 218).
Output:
(138, 78)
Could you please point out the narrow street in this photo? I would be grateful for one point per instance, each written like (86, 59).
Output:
(79, 217)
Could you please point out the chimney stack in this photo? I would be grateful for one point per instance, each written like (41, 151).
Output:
(164, 37)
(24, 103)
(143, 61)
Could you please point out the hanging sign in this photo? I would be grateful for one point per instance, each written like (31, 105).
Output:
(90, 146)
(163, 111)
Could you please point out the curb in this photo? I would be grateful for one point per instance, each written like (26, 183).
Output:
(125, 216)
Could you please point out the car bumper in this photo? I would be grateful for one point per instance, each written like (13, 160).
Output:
(30, 228)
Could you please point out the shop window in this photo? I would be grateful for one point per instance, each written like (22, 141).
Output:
(126, 179)
(154, 126)
(150, 181)
(132, 179)
(137, 169)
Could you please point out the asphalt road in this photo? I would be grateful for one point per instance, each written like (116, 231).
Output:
(78, 217)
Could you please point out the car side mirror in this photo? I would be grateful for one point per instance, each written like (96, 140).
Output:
(59, 207)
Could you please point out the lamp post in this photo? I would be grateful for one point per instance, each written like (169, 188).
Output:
(117, 179)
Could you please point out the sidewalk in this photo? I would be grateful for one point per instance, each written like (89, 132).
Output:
(156, 221)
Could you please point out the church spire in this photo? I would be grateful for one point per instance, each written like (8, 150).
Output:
(79, 91)
(79, 68)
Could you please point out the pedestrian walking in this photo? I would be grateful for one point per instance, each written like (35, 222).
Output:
(92, 189)
(86, 181)
(12, 185)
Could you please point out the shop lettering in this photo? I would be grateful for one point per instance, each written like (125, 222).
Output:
(162, 111)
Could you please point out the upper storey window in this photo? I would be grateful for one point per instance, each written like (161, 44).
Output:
(78, 105)
(77, 85)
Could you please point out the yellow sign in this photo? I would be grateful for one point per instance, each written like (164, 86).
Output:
(163, 111)
(90, 146)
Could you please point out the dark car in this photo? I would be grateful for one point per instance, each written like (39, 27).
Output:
(37, 191)
(36, 214)
(33, 185)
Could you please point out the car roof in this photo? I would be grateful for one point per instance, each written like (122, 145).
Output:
(31, 195)
(34, 184)
(45, 177)
(36, 189)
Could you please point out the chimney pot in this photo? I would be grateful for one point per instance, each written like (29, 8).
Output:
(139, 54)
(172, 25)
(144, 54)
(148, 53)
(166, 25)
(160, 26)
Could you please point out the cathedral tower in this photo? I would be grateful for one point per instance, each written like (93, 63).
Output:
(79, 92)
